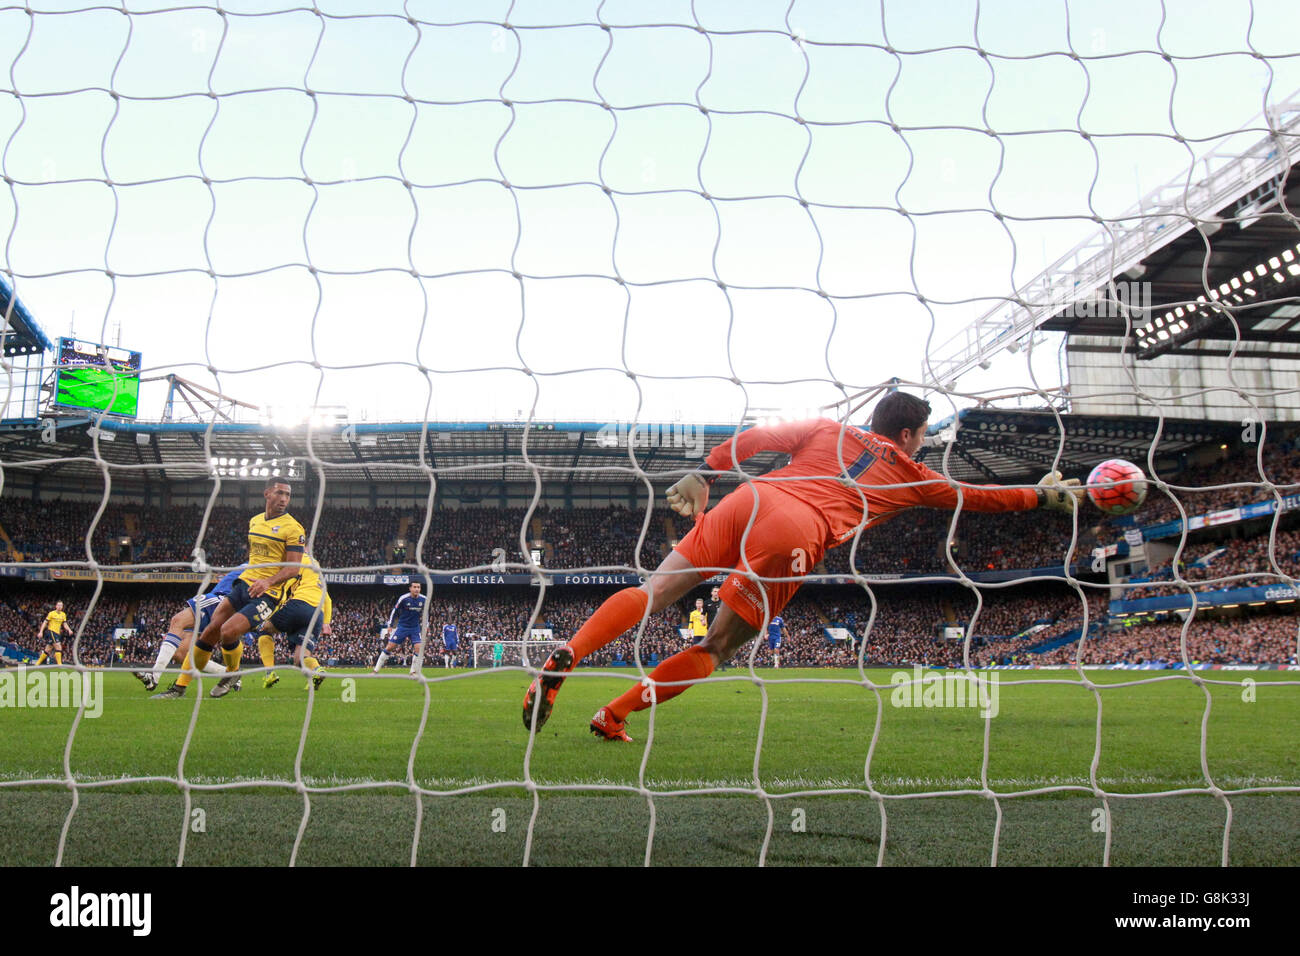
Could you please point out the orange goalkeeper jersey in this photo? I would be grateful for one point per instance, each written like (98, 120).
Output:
(840, 468)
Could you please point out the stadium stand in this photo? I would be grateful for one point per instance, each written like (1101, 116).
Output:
(1015, 624)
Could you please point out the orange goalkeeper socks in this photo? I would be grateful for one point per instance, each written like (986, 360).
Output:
(691, 664)
(620, 612)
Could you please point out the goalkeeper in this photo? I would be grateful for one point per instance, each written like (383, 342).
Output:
(841, 480)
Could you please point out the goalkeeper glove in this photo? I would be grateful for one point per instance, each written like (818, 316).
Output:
(690, 496)
(1057, 494)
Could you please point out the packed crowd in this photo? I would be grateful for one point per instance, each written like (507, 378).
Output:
(347, 537)
(1227, 563)
(914, 542)
(906, 628)
(23, 611)
(56, 530)
(1263, 638)
(1197, 489)
(605, 537)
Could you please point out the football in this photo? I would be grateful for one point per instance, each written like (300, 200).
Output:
(1117, 487)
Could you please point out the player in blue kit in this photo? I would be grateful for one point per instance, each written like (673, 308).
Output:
(185, 623)
(775, 630)
(450, 641)
(407, 614)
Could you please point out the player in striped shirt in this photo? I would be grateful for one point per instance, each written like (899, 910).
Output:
(841, 481)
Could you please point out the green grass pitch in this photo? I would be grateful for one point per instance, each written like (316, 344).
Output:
(816, 737)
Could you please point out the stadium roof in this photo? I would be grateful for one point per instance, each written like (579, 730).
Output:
(21, 333)
(1249, 259)
(1231, 211)
(488, 452)
(995, 445)
(991, 445)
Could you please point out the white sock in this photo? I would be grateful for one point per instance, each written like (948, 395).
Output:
(166, 651)
(417, 663)
(383, 658)
(212, 667)
(446, 660)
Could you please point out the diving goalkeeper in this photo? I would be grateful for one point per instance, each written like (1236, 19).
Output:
(841, 480)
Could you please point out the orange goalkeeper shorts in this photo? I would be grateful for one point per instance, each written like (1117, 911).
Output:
(785, 541)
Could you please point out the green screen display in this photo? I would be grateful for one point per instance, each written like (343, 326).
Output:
(98, 389)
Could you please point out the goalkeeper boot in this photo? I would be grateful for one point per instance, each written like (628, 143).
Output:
(146, 678)
(226, 685)
(560, 662)
(608, 727)
(270, 680)
(174, 692)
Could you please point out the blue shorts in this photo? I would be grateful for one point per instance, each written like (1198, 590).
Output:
(257, 610)
(202, 607)
(773, 643)
(404, 633)
(294, 621)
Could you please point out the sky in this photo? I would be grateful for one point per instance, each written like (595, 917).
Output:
(479, 211)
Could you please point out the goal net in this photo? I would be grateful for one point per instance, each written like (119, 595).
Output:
(482, 281)
(513, 653)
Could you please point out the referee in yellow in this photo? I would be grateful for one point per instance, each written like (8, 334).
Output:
(54, 622)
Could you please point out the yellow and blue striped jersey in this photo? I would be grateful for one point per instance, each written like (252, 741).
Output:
(272, 540)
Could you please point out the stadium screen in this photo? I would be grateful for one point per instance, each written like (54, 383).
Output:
(97, 378)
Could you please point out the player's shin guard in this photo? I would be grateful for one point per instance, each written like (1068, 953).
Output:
(266, 650)
(621, 611)
(184, 680)
(232, 656)
(693, 663)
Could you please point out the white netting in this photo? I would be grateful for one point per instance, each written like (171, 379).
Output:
(620, 211)
(513, 653)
